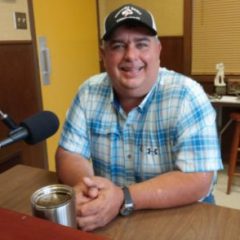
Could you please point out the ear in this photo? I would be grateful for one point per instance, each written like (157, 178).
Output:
(159, 47)
(102, 53)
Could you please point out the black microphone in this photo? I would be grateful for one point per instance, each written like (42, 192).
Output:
(33, 129)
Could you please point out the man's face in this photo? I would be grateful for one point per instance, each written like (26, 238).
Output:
(131, 58)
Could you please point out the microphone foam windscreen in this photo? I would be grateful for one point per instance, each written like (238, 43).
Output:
(40, 126)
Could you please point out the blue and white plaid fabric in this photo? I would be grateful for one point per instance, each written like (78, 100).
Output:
(172, 129)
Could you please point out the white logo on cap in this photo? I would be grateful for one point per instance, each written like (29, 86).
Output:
(127, 12)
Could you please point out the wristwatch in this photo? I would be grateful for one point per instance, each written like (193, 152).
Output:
(128, 205)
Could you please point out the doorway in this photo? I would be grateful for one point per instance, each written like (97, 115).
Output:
(20, 94)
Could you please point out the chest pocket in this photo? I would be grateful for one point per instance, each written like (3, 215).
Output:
(102, 141)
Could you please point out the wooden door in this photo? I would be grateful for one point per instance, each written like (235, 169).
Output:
(20, 97)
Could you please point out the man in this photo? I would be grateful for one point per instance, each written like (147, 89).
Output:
(138, 136)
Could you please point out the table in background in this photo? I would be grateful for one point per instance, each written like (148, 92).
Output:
(197, 221)
(219, 103)
(225, 100)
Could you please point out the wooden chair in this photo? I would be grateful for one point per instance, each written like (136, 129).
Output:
(235, 148)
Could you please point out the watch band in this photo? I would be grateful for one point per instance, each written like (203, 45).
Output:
(128, 205)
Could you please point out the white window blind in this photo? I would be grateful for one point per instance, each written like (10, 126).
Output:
(216, 36)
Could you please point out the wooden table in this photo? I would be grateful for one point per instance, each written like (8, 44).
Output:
(194, 222)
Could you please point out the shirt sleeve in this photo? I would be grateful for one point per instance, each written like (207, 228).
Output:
(75, 137)
(196, 145)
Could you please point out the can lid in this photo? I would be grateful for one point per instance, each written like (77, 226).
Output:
(52, 199)
(52, 196)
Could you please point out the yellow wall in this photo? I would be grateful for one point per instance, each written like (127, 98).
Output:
(70, 27)
(168, 13)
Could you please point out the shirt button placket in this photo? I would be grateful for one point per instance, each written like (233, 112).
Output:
(128, 147)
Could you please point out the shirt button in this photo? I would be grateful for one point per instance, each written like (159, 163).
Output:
(129, 156)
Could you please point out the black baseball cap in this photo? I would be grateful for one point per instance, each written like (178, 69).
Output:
(128, 14)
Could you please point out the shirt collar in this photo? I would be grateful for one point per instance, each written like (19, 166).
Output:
(147, 99)
(142, 106)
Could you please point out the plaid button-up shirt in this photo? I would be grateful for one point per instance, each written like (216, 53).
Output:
(172, 129)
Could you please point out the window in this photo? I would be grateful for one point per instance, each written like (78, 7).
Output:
(215, 36)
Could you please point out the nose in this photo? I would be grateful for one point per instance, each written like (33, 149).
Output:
(131, 52)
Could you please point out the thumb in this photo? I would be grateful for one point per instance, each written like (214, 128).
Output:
(93, 189)
(89, 182)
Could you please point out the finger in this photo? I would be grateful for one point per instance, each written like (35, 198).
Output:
(80, 188)
(89, 223)
(92, 207)
(81, 199)
(89, 182)
(92, 189)
(98, 182)
(93, 192)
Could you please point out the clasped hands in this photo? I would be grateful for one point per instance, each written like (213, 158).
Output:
(98, 201)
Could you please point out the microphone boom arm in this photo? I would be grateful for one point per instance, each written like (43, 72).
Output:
(14, 136)
(8, 121)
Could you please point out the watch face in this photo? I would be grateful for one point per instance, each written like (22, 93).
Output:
(128, 205)
(126, 210)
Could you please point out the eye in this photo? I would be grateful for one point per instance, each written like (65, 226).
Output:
(117, 46)
(142, 45)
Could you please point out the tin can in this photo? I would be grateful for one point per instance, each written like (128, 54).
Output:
(56, 203)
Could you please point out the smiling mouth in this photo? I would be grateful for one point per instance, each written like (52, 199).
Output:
(131, 69)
